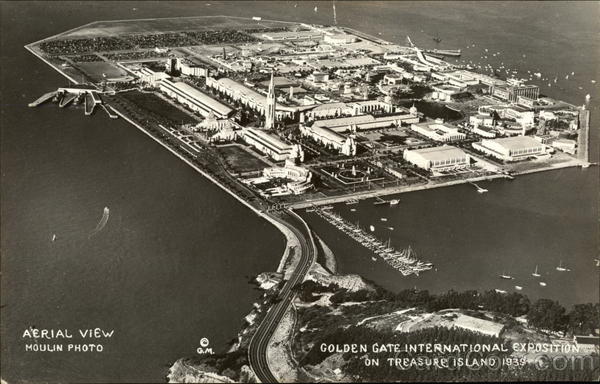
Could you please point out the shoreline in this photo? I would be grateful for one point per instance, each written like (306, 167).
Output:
(291, 241)
(421, 187)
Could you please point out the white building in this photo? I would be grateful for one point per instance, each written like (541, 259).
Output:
(481, 120)
(190, 69)
(194, 99)
(364, 122)
(477, 325)
(339, 39)
(298, 179)
(150, 77)
(565, 145)
(437, 158)
(247, 96)
(438, 131)
(271, 145)
(345, 145)
(587, 344)
(484, 132)
(511, 148)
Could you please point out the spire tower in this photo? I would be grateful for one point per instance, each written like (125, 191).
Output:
(270, 107)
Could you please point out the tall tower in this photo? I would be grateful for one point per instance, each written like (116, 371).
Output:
(270, 107)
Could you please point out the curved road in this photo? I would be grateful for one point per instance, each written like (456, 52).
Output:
(257, 351)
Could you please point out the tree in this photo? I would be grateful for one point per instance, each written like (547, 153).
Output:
(584, 318)
(547, 314)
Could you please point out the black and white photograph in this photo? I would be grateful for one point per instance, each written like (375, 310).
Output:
(298, 191)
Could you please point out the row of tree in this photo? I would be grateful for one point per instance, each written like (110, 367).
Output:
(543, 313)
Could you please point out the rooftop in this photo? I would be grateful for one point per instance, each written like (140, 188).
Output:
(204, 99)
(516, 142)
(439, 153)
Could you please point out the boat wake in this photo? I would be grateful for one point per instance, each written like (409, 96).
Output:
(102, 223)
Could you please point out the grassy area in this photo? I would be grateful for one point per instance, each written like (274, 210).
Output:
(97, 69)
(239, 160)
(111, 28)
(152, 103)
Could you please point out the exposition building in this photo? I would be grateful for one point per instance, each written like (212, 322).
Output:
(271, 145)
(438, 131)
(194, 99)
(511, 148)
(437, 158)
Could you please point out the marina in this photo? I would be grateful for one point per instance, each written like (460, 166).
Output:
(404, 261)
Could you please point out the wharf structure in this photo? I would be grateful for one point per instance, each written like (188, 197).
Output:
(403, 261)
(583, 138)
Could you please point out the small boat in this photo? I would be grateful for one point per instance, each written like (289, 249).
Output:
(535, 273)
(390, 228)
(394, 202)
(316, 9)
(53, 237)
(542, 284)
(500, 291)
(383, 219)
(372, 228)
(374, 258)
(518, 288)
(380, 201)
(353, 210)
(506, 277)
(560, 268)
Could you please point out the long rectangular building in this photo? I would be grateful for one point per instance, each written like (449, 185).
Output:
(247, 96)
(194, 99)
(511, 148)
(271, 145)
(345, 145)
(437, 158)
(438, 131)
(364, 122)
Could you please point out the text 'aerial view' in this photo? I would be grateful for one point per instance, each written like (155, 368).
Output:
(299, 191)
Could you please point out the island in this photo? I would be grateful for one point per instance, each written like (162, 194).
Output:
(287, 116)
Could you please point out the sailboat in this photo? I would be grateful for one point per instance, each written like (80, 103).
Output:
(535, 273)
(560, 268)
(506, 277)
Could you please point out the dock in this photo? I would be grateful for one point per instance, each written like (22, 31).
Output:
(42, 99)
(110, 114)
(91, 100)
(584, 133)
(403, 261)
(67, 99)
(89, 105)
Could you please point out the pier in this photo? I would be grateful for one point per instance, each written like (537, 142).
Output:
(42, 99)
(403, 261)
(584, 133)
(110, 114)
(67, 99)
(91, 100)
